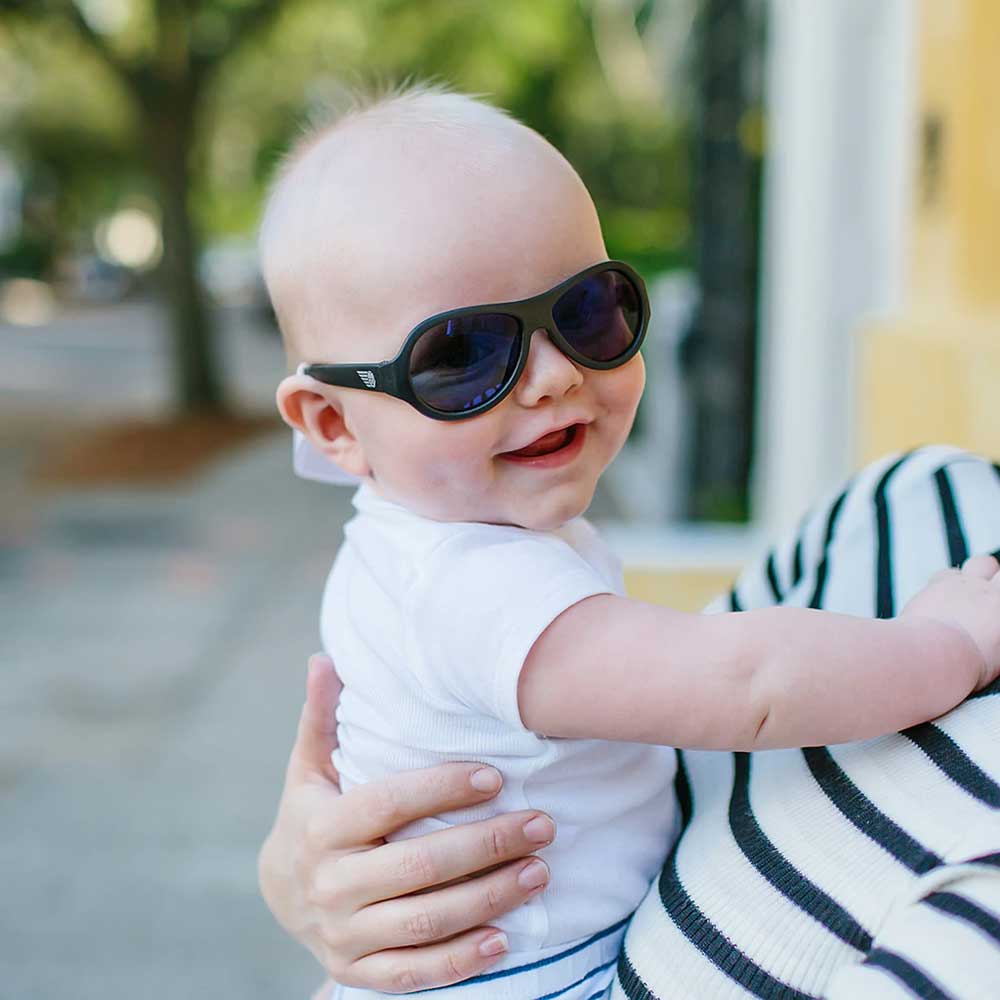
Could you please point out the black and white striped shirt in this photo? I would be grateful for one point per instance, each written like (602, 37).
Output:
(867, 870)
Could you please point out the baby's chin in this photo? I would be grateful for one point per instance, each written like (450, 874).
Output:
(550, 511)
(532, 516)
(536, 511)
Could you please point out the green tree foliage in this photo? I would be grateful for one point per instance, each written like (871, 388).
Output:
(191, 102)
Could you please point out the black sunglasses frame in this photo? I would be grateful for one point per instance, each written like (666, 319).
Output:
(393, 377)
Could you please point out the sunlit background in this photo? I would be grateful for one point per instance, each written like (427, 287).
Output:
(810, 190)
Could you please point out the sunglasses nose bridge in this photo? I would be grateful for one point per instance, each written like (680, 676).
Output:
(539, 317)
(546, 330)
(555, 343)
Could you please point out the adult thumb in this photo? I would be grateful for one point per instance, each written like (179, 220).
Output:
(317, 734)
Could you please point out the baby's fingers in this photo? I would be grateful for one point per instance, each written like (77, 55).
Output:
(982, 567)
(428, 917)
(403, 970)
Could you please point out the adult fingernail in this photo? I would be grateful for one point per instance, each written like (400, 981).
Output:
(533, 875)
(486, 779)
(540, 830)
(494, 944)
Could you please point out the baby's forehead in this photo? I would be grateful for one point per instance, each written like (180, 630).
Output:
(405, 173)
(405, 219)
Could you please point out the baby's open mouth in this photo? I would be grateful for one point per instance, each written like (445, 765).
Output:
(547, 443)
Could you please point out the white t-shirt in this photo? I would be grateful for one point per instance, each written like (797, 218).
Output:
(429, 624)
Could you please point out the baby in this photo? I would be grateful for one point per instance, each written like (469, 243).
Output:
(466, 351)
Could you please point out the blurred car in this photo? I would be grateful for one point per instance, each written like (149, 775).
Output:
(230, 271)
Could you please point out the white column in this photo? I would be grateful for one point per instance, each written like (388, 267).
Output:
(836, 200)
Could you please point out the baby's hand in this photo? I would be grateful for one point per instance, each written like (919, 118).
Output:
(967, 599)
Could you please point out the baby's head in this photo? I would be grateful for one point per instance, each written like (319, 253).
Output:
(416, 203)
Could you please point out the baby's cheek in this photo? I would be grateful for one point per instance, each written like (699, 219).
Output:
(625, 385)
(451, 486)
(623, 401)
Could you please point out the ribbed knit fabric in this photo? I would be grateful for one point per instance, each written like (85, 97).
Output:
(867, 870)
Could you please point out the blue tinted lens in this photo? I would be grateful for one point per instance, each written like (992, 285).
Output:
(600, 315)
(462, 363)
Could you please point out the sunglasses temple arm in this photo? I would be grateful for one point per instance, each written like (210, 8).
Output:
(379, 377)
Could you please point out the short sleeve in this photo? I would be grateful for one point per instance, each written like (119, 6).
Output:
(478, 605)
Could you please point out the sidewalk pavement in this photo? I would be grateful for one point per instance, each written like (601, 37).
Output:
(154, 658)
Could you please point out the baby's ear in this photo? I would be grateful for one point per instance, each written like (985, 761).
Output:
(311, 407)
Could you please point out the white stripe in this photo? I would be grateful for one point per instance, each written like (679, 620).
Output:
(948, 950)
(756, 919)
(534, 981)
(983, 891)
(919, 543)
(815, 838)
(655, 945)
(907, 787)
(813, 542)
(871, 984)
(976, 486)
(975, 727)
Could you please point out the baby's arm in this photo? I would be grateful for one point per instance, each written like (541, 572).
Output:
(611, 668)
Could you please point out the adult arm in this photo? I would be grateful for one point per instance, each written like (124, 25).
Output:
(401, 916)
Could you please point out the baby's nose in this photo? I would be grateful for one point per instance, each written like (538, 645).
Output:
(548, 372)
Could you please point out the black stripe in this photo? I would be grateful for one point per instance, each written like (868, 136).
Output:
(780, 872)
(909, 975)
(553, 994)
(634, 987)
(797, 562)
(704, 935)
(822, 568)
(682, 789)
(734, 601)
(958, 906)
(986, 859)
(996, 469)
(772, 578)
(954, 762)
(884, 601)
(862, 812)
(958, 547)
(539, 963)
(991, 688)
(707, 938)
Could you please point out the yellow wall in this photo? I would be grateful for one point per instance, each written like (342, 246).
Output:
(683, 589)
(933, 372)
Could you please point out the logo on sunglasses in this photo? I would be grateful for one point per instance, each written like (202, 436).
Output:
(368, 378)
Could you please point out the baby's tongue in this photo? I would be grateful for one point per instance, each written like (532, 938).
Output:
(545, 444)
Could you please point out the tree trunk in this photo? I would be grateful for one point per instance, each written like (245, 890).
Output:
(170, 127)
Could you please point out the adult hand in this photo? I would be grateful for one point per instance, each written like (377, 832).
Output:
(394, 917)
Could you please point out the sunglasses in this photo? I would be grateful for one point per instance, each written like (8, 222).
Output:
(463, 362)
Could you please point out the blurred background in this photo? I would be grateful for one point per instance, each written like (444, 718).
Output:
(811, 191)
